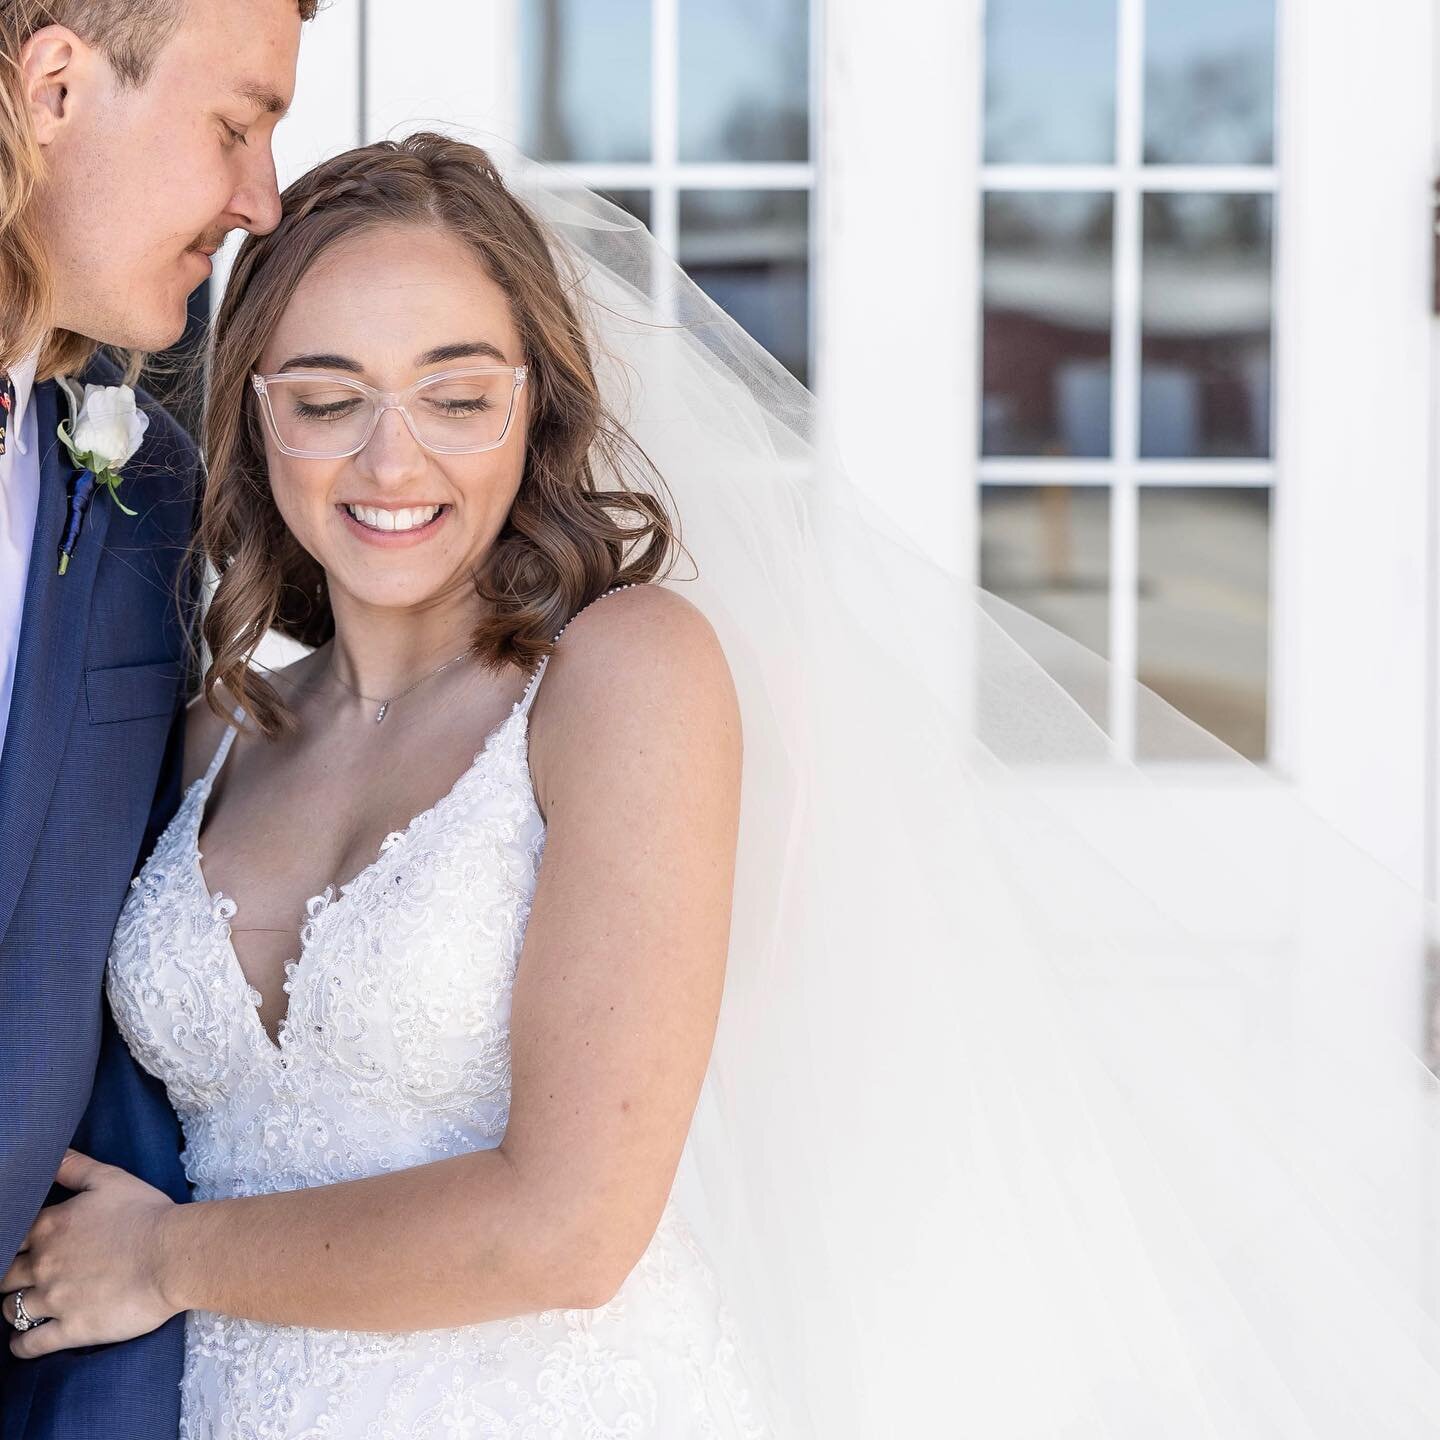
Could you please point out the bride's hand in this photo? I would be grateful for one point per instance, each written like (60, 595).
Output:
(92, 1263)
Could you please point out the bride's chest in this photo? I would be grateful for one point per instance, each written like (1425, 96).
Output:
(400, 986)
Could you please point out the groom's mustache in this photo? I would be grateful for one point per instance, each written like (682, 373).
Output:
(209, 243)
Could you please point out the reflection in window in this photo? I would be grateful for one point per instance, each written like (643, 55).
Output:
(1047, 287)
(1205, 307)
(586, 88)
(1210, 82)
(749, 250)
(1204, 559)
(1046, 548)
(1049, 82)
(744, 80)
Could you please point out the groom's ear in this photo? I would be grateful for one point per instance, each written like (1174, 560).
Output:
(51, 61)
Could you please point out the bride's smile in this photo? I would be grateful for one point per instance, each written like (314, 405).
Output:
(424, 367)
(392, 525)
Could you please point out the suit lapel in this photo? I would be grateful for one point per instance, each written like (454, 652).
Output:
(50, 666)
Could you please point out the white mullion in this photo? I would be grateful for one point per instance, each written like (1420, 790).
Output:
(1237, 179)
(1221, 179)
(1281, 721)
(1239, 474)
(1125, 371)
(362, 100)
(1236, 474)
(816, 99)
(733, 176)
(1124, 611)
(665, 122)
(1022, 471)
(1048, 177)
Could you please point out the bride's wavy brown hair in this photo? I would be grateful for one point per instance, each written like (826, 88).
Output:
(566, 540)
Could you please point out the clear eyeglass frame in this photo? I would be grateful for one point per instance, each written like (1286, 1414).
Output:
(383, 400)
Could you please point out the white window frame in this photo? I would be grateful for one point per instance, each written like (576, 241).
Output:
(1123, 473)
(665, 176)
(1352, 641)
(896, 178)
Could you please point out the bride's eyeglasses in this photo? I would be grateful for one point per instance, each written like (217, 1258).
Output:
(329, 417)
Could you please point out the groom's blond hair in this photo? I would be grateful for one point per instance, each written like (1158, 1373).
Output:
(130, 34)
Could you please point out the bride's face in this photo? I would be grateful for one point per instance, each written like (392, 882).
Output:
(390, 307)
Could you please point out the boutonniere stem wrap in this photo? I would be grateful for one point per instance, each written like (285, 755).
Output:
(104, 430)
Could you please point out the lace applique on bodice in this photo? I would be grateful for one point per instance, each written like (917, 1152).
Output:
(395, 1052)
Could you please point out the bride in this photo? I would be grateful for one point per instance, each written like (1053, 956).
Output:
(401, 1140)
(545, 1070)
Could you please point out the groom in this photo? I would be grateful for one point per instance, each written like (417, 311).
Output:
(134, 135)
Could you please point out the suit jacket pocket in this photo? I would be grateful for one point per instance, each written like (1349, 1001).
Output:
(132, 692)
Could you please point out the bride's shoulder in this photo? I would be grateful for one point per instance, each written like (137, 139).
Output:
(638, 636)
(204, 730)
(207, 719)
(637, 665)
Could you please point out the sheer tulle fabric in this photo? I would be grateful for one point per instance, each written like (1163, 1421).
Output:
(1050, 1097)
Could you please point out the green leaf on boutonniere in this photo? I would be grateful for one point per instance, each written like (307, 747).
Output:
(87, 460)
(104, 430)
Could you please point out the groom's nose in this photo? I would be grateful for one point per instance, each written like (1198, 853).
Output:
(257, 201)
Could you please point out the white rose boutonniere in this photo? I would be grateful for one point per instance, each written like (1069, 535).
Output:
(104, 430)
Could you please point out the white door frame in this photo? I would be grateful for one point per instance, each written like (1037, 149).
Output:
(1353, 627)
(900, 193)
(1356, 561)
(897, 282)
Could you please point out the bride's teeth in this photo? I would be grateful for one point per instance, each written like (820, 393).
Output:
(411, 519)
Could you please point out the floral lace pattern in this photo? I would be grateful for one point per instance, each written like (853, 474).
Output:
(395, 1052)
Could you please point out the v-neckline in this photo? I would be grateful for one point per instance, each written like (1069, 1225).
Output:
(327, 901)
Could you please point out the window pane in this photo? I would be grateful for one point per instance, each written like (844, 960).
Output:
(1204, 613)
(1050, 81)
(1205, 308)
(745, 80)
(586, 79)
(1047, 286)
(1210, 82)
(749, 250)
(636, 202)
(1046, 548)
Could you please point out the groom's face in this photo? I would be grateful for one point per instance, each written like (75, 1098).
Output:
(142, 184)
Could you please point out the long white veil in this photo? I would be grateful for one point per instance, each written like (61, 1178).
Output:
(1050, 1097)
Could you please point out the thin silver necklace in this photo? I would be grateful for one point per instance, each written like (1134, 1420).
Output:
(400, 694)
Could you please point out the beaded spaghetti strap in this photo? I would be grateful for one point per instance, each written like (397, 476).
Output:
(223, 749)
(528, 698)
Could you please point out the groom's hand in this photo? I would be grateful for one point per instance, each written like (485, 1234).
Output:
(91, 1265)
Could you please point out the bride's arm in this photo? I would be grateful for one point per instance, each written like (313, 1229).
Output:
(636, 754)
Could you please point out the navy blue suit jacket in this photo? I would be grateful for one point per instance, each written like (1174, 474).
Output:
(89, 775)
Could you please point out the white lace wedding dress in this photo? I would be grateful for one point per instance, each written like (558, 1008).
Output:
(395, 1052)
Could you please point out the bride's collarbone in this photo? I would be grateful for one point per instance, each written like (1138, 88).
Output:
(287, 819)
